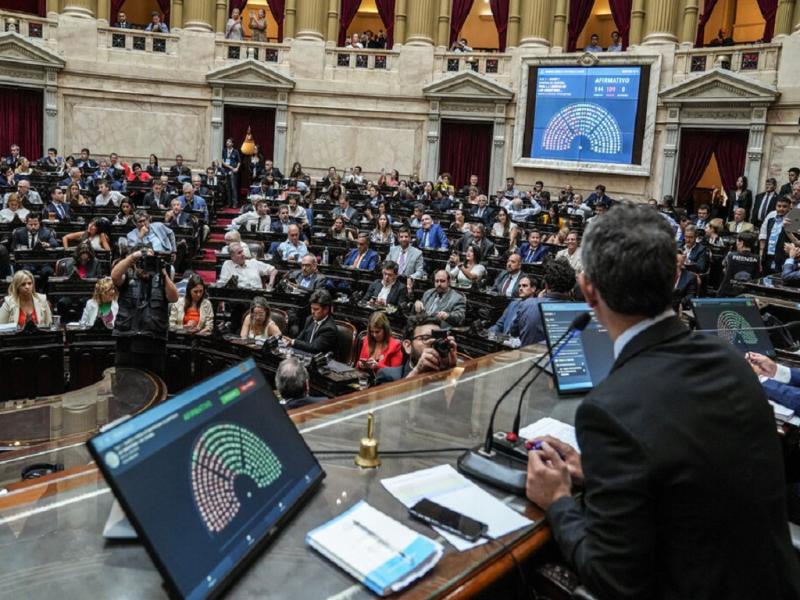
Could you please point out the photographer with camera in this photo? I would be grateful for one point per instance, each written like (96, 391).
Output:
(142, 324)
(427, 347)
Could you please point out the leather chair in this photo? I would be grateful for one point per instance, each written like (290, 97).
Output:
(281, 319)
(345, 342)
(256, 249)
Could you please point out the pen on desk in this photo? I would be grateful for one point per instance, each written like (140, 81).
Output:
(538, 446)
(382, 541)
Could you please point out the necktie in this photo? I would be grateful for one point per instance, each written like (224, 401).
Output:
(401, 264)
(30, 241)
(506, 285)
(425, 239)
(529, 258)
(357, 263)
(258, 227)
(314, 331)
(60, 211)
(762, 210)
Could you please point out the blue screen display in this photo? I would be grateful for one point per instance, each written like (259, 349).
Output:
(586, 114)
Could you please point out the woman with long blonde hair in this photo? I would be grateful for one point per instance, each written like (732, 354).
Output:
(23, 303)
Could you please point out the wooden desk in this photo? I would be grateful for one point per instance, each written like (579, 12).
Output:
(62, 535)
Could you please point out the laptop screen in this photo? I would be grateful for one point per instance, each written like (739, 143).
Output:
(586, 359)
(733, 319)
(206, 476)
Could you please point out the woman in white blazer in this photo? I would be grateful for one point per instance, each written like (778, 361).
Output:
(102, 304)
(24, 303)
(193, 313)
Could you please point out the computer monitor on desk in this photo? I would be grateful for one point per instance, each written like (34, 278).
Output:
(586, 359)
(208, 477)
(736, 320)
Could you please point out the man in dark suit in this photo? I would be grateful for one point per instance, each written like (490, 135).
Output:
(230, 162)
(34, 236)
(680, 462)
(431, 235)
(507, 282)
(388, 290)
(362, 256)
(270, 169)
(793, 174)
(291, 381)
(179, 170)
(307, 277)
(772, 238)
(122, 21)
(58, 207)
(525, 288)
(478, 238)
(695, 252)
(764, 202)
(319, 333)
(483, 211)
(533, 251)
(157, 198)
(421, 356)
(685, 285)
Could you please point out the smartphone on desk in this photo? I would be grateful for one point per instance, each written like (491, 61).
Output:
(440, 516)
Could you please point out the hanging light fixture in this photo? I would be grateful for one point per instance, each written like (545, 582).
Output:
(248, 145)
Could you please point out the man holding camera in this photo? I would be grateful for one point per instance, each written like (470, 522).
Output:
(145, 291)
(427, 347)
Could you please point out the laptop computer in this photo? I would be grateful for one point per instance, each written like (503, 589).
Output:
(734, 320)
(586, 359)
(208, 477)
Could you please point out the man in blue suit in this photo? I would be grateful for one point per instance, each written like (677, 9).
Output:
(430, 235)
(194, 202)
(362, 256)
(525, 289)
(230, 162)
(533, 251)
(781, 383)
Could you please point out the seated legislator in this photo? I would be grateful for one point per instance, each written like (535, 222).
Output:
(92, 236)
(339, 231)
(780, 383)
(559, 281)
(293, 248)
(686, 284)
(107, 196)
(256, 221)
(739, 223)
(231, 237)
(190, 201)
(282, 223)
(179, 170)
(84, 262)
(533, 251)
(28, 197)
(696, 253)
(443, 302)
(525, 289)
(362, 256)
(23, 303)
(102, 305)
(193, 312)
(468, 272)
(291, 381)
(477, 237)
(344, 210)
(483, 211)
(507, 281)
(307, 277)
(257, 324)
(388, 290)
(742, 264)
(505, 228)
(379, 349)
(176, 216)
(157, 236)
(33, 235)
(319, 333)
(421, 355)
(680, 463)
(572, 253)
(790, 274)
(248, 271)
(58, 209)
(410, 262)
(430, 234)
(157, 198)
(13, 210)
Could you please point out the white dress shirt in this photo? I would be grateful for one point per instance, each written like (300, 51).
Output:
(249, 273)
(632, 332)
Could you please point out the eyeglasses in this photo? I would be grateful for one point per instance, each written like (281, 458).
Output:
(425, 337)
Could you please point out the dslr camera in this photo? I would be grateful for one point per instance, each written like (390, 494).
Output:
(440, 342)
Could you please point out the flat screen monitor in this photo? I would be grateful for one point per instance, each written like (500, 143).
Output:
(208, 477)
(733, 319)
(586, 359)
(586, 114)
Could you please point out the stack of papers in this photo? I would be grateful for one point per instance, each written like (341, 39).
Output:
(548, 426)
(378, 551)
(784, 414)
(446, 486)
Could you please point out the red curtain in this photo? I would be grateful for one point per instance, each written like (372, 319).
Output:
(165, 5)
(21, 121)
(262, 125)
(465, 149)
(458, 16)
(347, 12)
(116, 6)
(231, 5)
(708, 8)
(697, 147)
(769, 8)
(278, 10)
(34, 7)
(500, 14)
(731, 153)
(621, 11)
(386, 11)
(579, 12)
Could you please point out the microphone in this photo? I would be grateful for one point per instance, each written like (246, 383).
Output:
(497, 469)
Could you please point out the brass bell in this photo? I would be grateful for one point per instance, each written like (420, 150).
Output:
(367, 457)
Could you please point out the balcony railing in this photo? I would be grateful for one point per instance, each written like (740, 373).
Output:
(137, 40)
(30, 26)
(758, 60)
(225, 50)
(486, 63)
(356, 59)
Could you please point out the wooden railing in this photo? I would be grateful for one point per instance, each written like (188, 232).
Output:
(29, 26)
(756, 60)
(137, 40)
(361, 59)
(486, 63)
(225, 50)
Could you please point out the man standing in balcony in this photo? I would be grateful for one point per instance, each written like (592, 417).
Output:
(156, 25)
(122, 21)
(230, 162)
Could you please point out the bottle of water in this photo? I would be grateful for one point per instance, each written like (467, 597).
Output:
(325, 256)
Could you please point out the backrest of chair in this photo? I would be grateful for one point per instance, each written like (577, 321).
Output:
(61, 264)
(281, 319)
(345, 342)
(256, 249)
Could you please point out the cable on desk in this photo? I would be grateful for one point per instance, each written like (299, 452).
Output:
(396, 452)
(528, 591)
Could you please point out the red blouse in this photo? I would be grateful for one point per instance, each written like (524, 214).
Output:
(391, 357)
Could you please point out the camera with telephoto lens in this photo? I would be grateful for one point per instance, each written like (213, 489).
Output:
(440, 342)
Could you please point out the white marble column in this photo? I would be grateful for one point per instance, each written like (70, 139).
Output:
(433, 128)
(497, 163)
(50, 117)
(216, 141)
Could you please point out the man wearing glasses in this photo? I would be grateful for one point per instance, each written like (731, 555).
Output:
(420, 350)
(157, 236)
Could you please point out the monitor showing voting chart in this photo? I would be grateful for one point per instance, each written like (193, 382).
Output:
(587, 114)
(208, 477)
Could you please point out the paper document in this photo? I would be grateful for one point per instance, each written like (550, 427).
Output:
(548, 426)
(781, 412)
(446, 486)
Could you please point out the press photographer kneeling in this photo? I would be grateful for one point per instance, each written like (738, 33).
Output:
(145, 291)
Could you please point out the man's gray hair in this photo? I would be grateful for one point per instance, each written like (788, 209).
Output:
(291, 379)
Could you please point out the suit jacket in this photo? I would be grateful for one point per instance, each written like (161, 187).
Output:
(745, 201)
(680, 479)
(685, 288)
(787, 394)
(64, 216)
(20, 237)
(397, 292)
(435, 238)
(488, 214)
(318, 280)
(324, 340)
(534, 256)
(277, 225)
(390, 374)
(368, 263)
(198, 204)
(304, 401)
(232, 156)
(487, 246)
(790, 273)
(150, 201)
(786, 189)
(698, 257)
(756, 210)
(414, 266)
(501, 281)
(507, 319)
(452, 302)
(745, 227)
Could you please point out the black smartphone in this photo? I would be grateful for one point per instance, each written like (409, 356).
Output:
(449, 520)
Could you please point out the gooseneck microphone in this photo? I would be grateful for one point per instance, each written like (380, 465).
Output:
(498, 469)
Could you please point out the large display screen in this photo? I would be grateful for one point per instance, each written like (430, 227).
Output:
(587, 114)
(207, 476)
